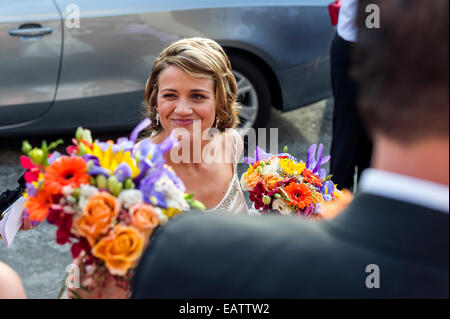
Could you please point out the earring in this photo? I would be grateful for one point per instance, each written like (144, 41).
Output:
(217, 123)
(157, 119)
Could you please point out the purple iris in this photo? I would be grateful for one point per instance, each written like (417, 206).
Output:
(176, 180)
(31, 190)
(122, 144)
(89, 157)
(322, 174)
(140, 127)
(312, 163)
(156, 162)
(142, 152)
(327, 191)
(96, 168)
(260, 154)
(125, 144)
(122, 172)
(168, 144)
(147, 187)
(104, 146)
(55, 155)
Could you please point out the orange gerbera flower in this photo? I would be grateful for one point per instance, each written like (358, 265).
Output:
(67, 171)
(39, 205)
(299, 194)
(309, 177)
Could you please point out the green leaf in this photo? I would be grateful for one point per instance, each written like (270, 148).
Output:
(84, 288)
(197, 205)
(285, 149)
(63, 287)
(75, 294)
(55, 144)
(44, 146)
(79, 133)
(26, 147)
(189, 196)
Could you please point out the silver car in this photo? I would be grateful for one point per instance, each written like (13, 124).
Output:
(65, 63)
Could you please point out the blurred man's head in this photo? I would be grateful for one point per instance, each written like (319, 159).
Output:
(403, 70)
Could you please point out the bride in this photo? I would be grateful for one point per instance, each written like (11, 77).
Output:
(191, 89)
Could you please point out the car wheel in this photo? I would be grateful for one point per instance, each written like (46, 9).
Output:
(254, 93)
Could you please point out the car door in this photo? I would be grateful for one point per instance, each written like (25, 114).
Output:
(30, 53)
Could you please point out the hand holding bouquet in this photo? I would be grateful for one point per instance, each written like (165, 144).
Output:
(105, 199)
(282, 184)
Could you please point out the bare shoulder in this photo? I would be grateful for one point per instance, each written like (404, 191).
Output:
(10, 284)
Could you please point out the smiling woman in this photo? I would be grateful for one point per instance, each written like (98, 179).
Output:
(201, 59)
(192, 86)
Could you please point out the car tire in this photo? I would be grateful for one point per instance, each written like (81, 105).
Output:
(257, 90)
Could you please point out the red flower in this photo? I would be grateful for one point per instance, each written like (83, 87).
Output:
(309, 177)
(82, 245)
(256, 196)
(63, 221)
(32, 173)
(299, 194)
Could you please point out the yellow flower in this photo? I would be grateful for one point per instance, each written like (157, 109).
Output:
(110, 160)
(170, 212)
(290, 167)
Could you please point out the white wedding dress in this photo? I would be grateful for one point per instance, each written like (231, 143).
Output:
(234, 201)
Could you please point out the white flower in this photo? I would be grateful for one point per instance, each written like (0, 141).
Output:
(67, 190)
(86, 192)
(282, 206)
(130, 197)
(173, 195)
(162, 218)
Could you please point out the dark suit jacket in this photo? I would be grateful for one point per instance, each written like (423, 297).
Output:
(198, 256)
(8, 197)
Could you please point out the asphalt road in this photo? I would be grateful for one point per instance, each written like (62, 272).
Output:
(41, 263)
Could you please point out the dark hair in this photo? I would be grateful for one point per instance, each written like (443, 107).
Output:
(402, 68)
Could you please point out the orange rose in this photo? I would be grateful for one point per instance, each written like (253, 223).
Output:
(251, 179)
(98, 215)
(317, 198)
(270, 181)
(120, 250)
(144, 217)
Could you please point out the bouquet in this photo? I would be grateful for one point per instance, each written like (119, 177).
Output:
(105, 199)
(282, 184)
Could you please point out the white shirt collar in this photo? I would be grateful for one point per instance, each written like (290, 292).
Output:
(405, 188)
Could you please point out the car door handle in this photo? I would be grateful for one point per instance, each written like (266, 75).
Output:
(29, 32)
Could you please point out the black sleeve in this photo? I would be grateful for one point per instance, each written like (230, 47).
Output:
(10, 196)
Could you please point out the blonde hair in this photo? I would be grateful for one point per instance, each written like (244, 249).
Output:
(202, 58)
